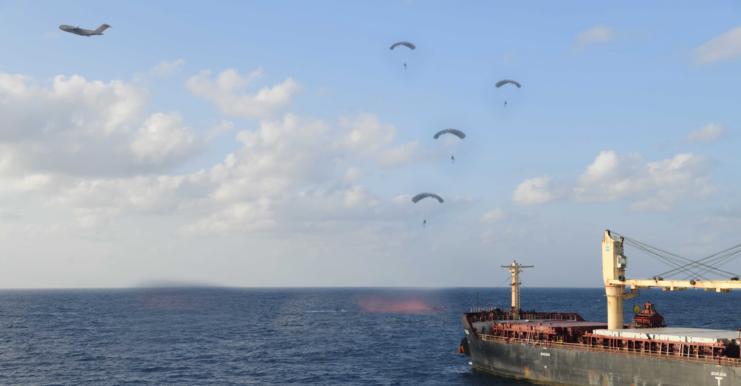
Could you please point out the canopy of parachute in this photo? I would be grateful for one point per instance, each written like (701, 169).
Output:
(455, 132)
(422, 196)
(406, 44)
(503, 82)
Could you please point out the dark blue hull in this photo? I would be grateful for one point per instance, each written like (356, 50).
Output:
(576, 367)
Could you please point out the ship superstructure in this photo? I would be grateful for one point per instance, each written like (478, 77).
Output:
(563, 348)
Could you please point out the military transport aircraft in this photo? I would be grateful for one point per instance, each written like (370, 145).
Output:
(82, 31)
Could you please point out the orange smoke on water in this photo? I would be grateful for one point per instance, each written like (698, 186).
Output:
(399, 306)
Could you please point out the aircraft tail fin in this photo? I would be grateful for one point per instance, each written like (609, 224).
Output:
(103, 28)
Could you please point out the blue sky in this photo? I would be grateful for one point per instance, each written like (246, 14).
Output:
(111, 200)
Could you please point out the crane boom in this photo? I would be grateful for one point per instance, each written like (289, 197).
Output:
(614, 263)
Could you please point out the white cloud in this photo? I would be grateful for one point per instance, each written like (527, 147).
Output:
(354, 173)
(162, 138)
(398, 156)
(161, 194)
(162, 69)
(238, 217)
(320, 205)
(227, 92)
(612, 177)
(165, 68)
(652, 186)
(297, 163)
(533, 191)
(597, 35)
(402, 199)
(365, 133)
(722, 47)
(71, 106)
(224, 127)
(493, 216)
(709, 133)
(80, 127)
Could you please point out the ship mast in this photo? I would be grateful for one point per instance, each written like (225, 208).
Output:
(516, 269)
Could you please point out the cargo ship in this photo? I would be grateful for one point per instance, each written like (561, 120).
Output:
(563, 348)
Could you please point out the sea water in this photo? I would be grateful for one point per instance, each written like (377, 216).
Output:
(230, 336)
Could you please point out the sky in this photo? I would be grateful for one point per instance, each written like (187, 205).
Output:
(278, 144)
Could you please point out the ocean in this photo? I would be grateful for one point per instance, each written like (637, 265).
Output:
(235, 336)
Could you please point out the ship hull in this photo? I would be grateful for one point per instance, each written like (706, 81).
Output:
(576, 367)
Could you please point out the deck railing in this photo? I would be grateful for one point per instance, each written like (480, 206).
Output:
(621, 351)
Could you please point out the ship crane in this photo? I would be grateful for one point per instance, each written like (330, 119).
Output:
(614, 263)
(516, 270)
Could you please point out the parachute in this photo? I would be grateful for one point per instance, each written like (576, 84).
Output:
(407, 44)
(503, 82)
(455, 132)
(421, 196)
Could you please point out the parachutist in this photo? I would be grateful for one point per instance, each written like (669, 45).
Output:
(505, 103)
(455, 132)
(422, 196)
(424, 224)
(405, 44)
(453, 158)
(503, 82)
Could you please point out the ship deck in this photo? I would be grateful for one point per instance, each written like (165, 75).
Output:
(555, 323)
(675, 334)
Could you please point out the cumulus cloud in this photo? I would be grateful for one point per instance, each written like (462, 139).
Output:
(493, 216)
(354, 173)
(648, 186)
(227, 92)
(533, 191)
(238, 217)
(711, 132)
(80, 127)
(224, 127)
(90, 149)
(71, 106)
(597, 35)
(293, 168)
(346, 204)
(722, 47)
(161, 137)
(162, 69)
(612, 177)
(165, 68)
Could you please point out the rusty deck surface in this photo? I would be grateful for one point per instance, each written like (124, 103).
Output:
(675, 334)
(562, 324)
